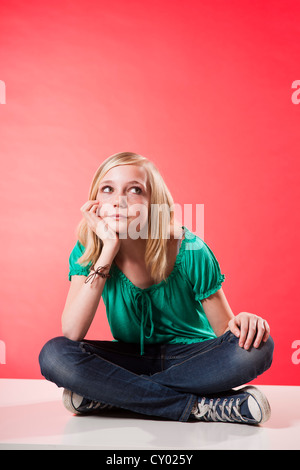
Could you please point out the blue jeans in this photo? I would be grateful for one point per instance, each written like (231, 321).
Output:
(164, 382)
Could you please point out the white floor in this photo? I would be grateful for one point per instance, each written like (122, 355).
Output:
(32, 417)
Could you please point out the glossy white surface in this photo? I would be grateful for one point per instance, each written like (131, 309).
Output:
(32, 417)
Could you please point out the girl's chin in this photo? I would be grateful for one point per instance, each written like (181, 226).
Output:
(117, 225)
(122, 226)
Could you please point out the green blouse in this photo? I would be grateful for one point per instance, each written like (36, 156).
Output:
(168, 312)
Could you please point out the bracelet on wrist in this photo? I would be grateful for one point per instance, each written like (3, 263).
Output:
(97, 272)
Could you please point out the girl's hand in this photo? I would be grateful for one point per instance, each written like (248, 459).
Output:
(108, 236)
(249, 328)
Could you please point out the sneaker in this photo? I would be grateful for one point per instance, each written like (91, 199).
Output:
(79, 405)
(247, 405)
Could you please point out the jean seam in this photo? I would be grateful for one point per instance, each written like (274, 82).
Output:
(219, 339)
(192, 356)
(187, 411)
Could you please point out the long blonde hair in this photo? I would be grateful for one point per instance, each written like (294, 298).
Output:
(156, 248)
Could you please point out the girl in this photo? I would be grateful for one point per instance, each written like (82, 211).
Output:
(179, 350)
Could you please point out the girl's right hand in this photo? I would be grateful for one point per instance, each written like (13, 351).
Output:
(109, 237)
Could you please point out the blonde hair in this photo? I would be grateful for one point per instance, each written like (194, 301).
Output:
(156, 248)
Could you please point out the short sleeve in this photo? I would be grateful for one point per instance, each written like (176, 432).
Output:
(201, 268)
(74, 267)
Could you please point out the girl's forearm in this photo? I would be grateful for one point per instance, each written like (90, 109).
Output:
(79, 314)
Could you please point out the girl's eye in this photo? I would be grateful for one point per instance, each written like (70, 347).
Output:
(133, 187)
(104, 187)
(139, 189)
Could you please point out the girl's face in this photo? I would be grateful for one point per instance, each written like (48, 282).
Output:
(124, 197)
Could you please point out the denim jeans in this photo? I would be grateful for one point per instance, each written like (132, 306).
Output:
(165, 382)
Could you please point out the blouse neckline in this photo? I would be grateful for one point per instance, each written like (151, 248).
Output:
(163, 282)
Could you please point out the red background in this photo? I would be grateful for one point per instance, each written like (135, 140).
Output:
(202, 88)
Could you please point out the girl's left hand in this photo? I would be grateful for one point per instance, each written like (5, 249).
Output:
(250, 329)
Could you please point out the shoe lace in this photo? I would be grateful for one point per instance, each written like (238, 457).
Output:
(209, 412)
(93, 405)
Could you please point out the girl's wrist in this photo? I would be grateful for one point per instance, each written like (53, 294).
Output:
(100, 271)
(106, 258)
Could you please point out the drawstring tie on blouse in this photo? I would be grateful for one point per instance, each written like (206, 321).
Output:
(144, 312)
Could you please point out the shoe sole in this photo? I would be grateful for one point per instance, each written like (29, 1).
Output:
(262, 401)
(68, 403)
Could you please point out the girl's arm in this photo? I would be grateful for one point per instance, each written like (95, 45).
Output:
(83, 300)
(249, 328)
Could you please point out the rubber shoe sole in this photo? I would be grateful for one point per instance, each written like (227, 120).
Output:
(71, 401)
(259, 406)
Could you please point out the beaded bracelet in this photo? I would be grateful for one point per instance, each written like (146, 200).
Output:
(97, 272)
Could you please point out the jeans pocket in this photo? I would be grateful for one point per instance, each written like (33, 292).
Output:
(229, 337)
